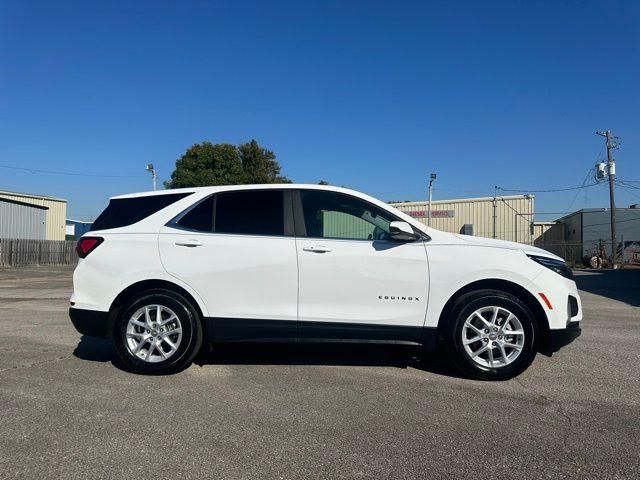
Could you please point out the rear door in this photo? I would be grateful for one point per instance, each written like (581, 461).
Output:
(237, 251)
(355, 282)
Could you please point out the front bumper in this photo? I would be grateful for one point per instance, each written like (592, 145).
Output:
(564, 336)
(90, 322)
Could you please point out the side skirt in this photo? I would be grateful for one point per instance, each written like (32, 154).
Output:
(222, 330)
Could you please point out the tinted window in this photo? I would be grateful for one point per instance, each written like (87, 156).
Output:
(336, 215)
(258, 212)
(126, 211)
(199, 217)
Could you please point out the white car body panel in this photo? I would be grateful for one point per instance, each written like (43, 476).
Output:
(99, 279)
(363, 282)
(238, 276)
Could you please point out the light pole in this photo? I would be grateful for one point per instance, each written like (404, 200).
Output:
(432, 178)
(152, 171)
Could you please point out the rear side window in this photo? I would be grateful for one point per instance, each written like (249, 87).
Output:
(200, 217)
(126, 211)
(257, 212)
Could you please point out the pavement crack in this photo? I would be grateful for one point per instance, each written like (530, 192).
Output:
(555, 407)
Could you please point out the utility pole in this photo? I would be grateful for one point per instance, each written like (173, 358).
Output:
(152, 171)
(495, 195)
(432, 178)
(611, 143)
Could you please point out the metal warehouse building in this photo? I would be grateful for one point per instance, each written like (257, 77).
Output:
(585, 229)
(21, 214)
(22, 220)
(77, 228)
(512, 216)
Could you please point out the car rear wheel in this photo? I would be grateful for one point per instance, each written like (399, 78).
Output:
(491, 335)
(158, 331)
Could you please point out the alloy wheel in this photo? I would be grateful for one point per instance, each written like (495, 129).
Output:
(493, 337)
(154, 333)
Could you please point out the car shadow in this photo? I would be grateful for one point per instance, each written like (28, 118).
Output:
(94, 349)
(330, 354)
(621, 285)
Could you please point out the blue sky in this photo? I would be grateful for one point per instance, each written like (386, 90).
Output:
(370, 95)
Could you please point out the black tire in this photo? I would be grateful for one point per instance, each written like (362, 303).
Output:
(463, 308)
(192, 333)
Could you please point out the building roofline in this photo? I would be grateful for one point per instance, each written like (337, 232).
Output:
(462, 200)
(77, 221)
(593, 210)
(31, 195)
(582, 210)
(24, 204)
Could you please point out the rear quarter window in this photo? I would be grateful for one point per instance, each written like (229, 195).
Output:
(122, 212)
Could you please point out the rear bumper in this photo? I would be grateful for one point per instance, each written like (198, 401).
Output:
(564, 336)
(90, 322)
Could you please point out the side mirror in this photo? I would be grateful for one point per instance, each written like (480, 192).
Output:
(402, 232)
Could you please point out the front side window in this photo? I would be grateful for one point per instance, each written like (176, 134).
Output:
(336, 215)
(250, 212)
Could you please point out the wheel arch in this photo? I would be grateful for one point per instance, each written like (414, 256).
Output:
(143, 285)
(539, 315)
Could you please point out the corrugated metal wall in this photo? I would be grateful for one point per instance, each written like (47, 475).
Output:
(342, 225)
(55, 217)
(514, 215)
(547, 232)
(22, 221)
(596, 226)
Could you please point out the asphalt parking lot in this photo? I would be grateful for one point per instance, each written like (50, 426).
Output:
(314, 412)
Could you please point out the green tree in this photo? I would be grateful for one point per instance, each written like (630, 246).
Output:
(259, 164)
(205, 164)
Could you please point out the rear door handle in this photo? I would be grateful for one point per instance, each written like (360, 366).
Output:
(189, 243)
(317, 249)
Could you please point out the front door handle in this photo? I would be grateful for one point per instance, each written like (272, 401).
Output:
(317, 249)
(189, 243)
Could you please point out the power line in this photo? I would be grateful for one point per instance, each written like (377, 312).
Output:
(626, 183)
(74, 174)
(607, 223)
(584, 182)
(628, 189)
(564, 189)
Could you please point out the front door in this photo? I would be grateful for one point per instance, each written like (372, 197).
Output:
(355, 281)
(237, 251)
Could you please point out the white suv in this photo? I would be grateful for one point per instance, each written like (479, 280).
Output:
(164, 273)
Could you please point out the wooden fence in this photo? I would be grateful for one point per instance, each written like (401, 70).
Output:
(19, 252)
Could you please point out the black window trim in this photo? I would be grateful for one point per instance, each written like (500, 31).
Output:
(301, 229)
(287, 205)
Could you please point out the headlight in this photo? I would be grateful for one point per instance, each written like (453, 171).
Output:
(557, 266)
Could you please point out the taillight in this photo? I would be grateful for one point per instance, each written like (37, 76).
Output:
(86, 245)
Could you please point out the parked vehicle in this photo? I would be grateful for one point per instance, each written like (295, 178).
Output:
(163, 273)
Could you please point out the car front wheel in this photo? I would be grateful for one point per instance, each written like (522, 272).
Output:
(492, 335)
(157, 332)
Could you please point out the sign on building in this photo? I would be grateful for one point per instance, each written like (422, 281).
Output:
(434, 213)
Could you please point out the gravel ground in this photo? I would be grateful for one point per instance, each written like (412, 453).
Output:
(314, 411)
